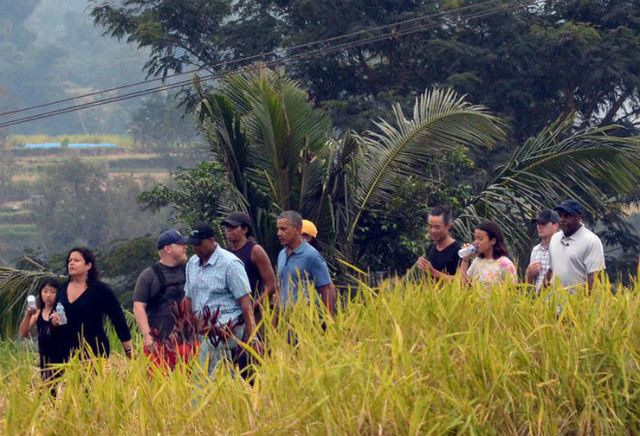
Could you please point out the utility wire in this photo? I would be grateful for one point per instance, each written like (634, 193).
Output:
(256, 57)
(282, 61)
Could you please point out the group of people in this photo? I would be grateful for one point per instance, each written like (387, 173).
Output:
(568, 252)
(237, 282)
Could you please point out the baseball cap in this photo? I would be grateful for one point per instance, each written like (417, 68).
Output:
(570, 206)
(237, 219)
(199, 233)
(309, 228)
(171, 236)
(547, 216)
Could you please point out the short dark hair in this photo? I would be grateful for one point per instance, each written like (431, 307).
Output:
(294, 218)
(49, 281)
(494, 232)
(444, 212)
(93, 274)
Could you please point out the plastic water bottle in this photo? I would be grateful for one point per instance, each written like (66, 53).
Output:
(31, 302)
(61, 314)
(463, 252)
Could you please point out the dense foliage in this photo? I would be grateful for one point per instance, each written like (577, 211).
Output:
(369, 193)
(530, 61)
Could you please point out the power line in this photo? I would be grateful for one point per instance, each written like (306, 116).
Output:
(256, 57)
(282, 61)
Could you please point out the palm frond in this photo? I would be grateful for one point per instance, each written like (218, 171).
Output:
(441, 121)
(591, 166)
(15, 285)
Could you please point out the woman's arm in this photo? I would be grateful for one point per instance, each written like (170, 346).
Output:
(27, 323)
(464, 268)
(267, 275)
(116, 315)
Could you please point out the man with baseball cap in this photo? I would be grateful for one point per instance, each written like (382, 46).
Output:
(159, 287)
(575, 252)
(216, 278)
(547, 224)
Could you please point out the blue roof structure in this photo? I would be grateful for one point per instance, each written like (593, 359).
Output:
(71, 145)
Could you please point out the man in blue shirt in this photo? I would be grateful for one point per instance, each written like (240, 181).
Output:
(216, 278)
(301, 266)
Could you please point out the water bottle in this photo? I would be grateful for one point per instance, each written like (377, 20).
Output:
(61, 314)
(464, 252)
(31, 302)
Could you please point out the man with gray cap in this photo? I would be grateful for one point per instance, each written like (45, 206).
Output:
(160, 286)
(547, 224)
(576, 252)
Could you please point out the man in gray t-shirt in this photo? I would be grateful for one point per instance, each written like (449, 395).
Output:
(160, 286)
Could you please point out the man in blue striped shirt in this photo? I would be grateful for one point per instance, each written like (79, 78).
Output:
(217, 279)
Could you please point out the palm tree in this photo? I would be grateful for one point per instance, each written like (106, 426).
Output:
(442, 121)
(265, 131)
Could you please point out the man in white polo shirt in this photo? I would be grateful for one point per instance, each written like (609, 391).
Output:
(575, 252)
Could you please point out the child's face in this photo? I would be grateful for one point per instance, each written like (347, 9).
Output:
(48, 295)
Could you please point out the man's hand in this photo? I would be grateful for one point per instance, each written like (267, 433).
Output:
(149, 343)
(533, 270)
(425, 265)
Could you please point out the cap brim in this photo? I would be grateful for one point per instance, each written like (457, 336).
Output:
(566, 210)
(194, 241)
(231, 223)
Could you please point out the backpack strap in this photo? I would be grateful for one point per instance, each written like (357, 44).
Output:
(157, 270)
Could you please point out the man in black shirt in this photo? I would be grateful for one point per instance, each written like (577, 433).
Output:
(160, 286)
(442, 258)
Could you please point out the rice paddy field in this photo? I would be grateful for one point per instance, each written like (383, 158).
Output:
(405, 358)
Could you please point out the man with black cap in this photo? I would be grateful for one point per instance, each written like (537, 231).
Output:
(539, 263)
(216, 279)
(160, 286)
(262, 279)
(576, 252)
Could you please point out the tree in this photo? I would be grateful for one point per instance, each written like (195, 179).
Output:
(78, 203)
(159, 121)
(72, 205)
(278, 155)
(531, 62)
(199, 194)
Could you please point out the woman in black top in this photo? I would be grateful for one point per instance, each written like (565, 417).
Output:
(49, 340)
(86, 300)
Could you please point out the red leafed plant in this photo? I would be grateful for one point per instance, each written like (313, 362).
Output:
(184, 341)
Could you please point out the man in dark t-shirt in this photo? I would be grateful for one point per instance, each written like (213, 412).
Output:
(442, 257)
(160, 286)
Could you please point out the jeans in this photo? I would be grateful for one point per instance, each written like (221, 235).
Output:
(213, 355)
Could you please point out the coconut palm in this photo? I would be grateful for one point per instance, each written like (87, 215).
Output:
(279, 154)
(274, 144)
